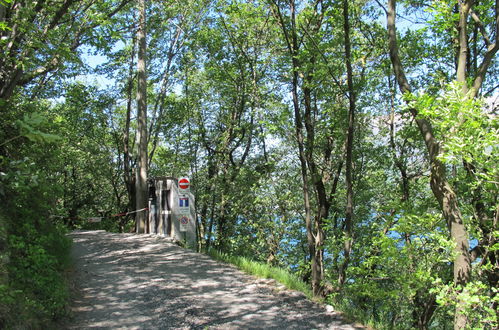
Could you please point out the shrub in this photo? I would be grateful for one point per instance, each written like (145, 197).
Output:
(34, 252)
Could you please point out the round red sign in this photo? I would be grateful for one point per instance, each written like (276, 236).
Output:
(183, 183)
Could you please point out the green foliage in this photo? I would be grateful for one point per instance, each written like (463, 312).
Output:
(467, 130)
(443, 16)
(38, 261)
(476, 299)
(28, 127)
(219, 98)
(34, 292)
(396, 271)
(85, 165)
(34, 252)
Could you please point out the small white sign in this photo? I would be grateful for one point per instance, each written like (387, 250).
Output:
(184, 223)
(95, 219)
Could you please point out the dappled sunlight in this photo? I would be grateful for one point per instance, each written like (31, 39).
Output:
(147, 282)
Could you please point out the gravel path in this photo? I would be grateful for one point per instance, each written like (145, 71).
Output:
(127, 281)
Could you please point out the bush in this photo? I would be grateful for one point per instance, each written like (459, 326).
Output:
(36, 292)
(34, 253)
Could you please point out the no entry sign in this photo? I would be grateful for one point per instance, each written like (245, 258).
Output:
(184, 184)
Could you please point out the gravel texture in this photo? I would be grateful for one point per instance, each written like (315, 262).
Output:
(128, 281)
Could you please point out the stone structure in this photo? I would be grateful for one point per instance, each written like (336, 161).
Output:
(171, 210)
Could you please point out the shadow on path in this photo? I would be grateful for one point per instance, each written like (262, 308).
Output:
(128, 281)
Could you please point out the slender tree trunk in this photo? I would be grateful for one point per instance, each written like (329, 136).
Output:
(202, 226)
(349, 212)
(323, 205)
(208, 220)
(462, 58)
(294, 47)
(209, 233)
(291, 38)
(489, 55)
(159, 105)
(398, 160)
(141, 173)
(441, 188)
(127, 174)
(306, 195)
(222, 230)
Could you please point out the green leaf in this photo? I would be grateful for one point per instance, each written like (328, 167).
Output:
(29, 128)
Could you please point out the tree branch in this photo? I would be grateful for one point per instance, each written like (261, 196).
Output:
(479, 23)
(324, 58)
(277, 12)
(394, 50)
(487, 58)
(382, 7)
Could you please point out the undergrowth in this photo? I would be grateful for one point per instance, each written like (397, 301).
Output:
(34, 255)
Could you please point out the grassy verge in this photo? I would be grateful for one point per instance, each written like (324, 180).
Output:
(262, 270)
(355, 315)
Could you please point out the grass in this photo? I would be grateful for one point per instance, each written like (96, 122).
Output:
(262, 270)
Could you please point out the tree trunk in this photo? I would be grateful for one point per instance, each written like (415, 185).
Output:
(425, 307)
(462, 58)
(127, 172)
(141, 173)
(322, 202)
(292, 43)
(349, 212)
(209, 233)
(294, 47)
(441, 188)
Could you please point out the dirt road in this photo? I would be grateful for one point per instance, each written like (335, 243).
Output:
(126, 281)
